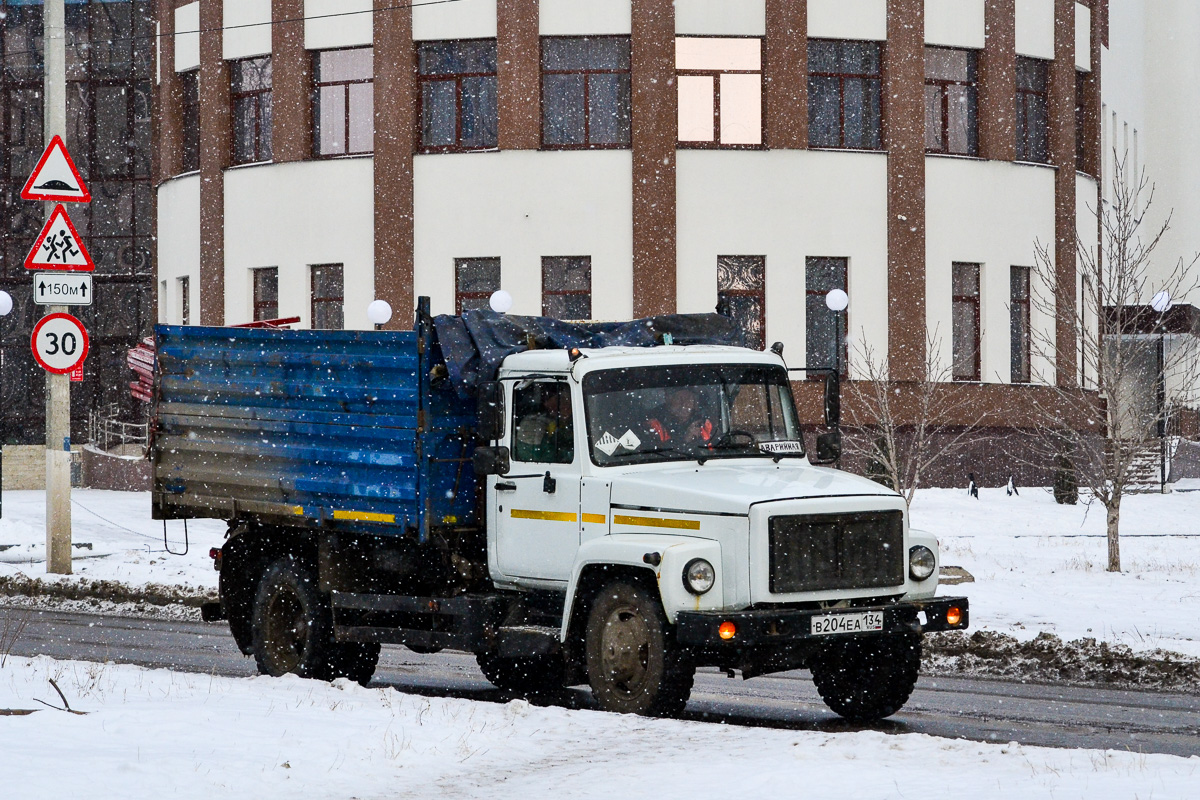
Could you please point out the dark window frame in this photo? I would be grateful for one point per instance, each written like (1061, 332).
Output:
(1031, 98)
(263, 135)
(587, 96)
(972, 302)
(259, 277)
(716, 143)
(548, 291)
(457, 78)
(320, 303)
(1020, 324)
(757, 294)
(189, 152)
(842, 77)
(185, 300)
(460, 295)
(942, 85)
(841, 317)
(315, 104)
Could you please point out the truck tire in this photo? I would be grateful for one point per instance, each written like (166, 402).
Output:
(292, 623)
(634, 665)
(525, 675)
(867, 678)
(354, 660)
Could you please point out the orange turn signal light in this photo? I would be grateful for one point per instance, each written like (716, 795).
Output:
(727, 630)
(953, 615)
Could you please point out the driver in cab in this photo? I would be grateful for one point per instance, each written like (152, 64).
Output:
(680, 420)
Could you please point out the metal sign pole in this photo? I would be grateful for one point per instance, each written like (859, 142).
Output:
(58, 387)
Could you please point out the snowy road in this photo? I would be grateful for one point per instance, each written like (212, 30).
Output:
(983, 710)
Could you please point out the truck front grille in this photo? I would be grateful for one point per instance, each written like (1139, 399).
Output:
(817, 552)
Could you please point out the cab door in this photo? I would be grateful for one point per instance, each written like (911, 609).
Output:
(537, 502)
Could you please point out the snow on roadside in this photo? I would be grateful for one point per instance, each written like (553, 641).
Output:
(1038, 566)
(155, 733)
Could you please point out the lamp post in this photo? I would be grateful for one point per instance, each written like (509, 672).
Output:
(1162, 303)
(837, 300)
(6, 307)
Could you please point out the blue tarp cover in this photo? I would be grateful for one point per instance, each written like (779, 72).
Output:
(474, 344)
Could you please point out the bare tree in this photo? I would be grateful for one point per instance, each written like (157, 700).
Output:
(1124, 354)
(901, 428)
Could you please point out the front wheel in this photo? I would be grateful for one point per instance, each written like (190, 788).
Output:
(867, 678)
(634, 665)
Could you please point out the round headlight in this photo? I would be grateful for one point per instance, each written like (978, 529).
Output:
(699, 576)
(921, 562)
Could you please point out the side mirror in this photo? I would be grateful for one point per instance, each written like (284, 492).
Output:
(829, 448)
(489, 411)
(833, 400)
(491, 461)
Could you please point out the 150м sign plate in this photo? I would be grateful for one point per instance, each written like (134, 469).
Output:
(62, 289)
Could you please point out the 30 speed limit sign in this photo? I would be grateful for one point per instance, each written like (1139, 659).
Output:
(60, 343)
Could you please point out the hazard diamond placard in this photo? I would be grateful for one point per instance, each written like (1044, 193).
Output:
(55, 177)
(59, 246)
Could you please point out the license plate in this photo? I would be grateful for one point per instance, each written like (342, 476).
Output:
(863, 622)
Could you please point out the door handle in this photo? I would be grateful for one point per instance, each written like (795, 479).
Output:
(549, 485)
(505, 487)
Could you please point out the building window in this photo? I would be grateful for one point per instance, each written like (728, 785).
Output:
(1032, 125)
(266, 293)
(189, 83)
(951, 101)
(1081, 122)
(343, 102)
(475, 279)
(965, 321)
(567, 287)
(720, 91)
(328, 302)
(185, 301)
(250, 80)
(1020, 332)
(585, 91)
(741, 295)
(824, 327)
(458, 95)
(844, 89)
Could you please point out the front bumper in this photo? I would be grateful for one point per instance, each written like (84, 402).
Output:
(778, 626)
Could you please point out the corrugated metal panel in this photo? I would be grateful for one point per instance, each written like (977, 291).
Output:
(320, 425)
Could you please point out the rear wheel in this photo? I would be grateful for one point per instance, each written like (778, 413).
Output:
(634, 665)
(354, 660)
(525, 675)
(292, 623)
(867, 678)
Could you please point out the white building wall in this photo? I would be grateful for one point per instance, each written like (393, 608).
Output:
(179, 245)
(1083, 37)
(1086, 227)
(463, 19)
(187, 38)
(721, 17)
(323, 31)
(292, 216)
(1035, 28)
(576, 17)
(955, 23)
(520, 206)
(847, 19)
(247, 29)
(990, 213)
(785, 205)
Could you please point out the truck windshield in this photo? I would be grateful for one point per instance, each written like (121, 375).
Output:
(690, 412)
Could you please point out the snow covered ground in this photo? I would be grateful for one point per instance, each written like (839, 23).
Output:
(1038, 566)
(155, 733)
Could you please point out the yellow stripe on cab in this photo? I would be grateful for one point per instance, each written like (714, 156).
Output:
(657, 522)
(551, 516)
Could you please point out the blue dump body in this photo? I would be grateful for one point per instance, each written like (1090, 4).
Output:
(340, 430)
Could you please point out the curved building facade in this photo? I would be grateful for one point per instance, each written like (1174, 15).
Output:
(617, 158)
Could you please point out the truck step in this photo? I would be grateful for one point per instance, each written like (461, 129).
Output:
(528, 640)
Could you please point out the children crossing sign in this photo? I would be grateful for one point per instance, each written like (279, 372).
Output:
(59, 246)
(55, 177)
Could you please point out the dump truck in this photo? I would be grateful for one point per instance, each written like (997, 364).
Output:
(613, 504)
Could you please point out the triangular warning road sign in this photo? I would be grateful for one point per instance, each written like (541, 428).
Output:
(55, 177)
(59, 246)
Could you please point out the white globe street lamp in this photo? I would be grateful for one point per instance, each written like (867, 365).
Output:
(501, 301)
(1162, 301)
(837, 300)
(379, 312)
(6, 304)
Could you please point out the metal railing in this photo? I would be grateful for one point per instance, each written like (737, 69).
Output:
(107, 430)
